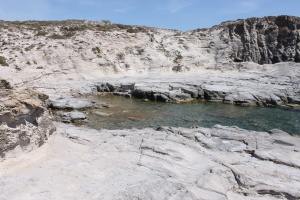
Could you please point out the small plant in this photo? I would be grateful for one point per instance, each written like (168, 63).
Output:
(28, 63)
(120, 56)
(41, 33)
(40, 67)
(18, 68)
(3, 61)
(201, 29)
(107, 27)
(132, 30)
(29, 48)
(178, 58)
(122, 26)
(69, 34)
(96, 50)
(57, 36)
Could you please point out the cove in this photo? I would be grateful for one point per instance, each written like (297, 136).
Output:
(127, 113)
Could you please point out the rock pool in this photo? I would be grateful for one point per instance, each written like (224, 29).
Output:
(128, 113)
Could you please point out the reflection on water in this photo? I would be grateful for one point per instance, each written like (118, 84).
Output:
(134, 113)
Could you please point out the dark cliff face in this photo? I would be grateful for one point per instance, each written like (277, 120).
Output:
(265, 40)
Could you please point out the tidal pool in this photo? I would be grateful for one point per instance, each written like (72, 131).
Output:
(128, 113)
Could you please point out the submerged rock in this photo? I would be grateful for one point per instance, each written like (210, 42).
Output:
(99, 113)
(74, 116)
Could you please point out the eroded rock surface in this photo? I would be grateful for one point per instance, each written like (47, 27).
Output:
(264, 40)
(167, 163)
(79, 57)
(68, 52)
(64, 102)
(274, 85)
(24, 120)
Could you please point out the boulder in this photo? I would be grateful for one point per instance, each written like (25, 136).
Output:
(74, 116)
(25, 121)
(69, 103)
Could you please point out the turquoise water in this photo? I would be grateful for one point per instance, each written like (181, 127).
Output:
(133, 113)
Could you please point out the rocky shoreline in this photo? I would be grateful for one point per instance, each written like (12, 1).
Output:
(167, 163)
(271, 86)
(252, 62)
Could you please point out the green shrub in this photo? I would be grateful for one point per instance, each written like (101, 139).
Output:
(40, 67)
(57, 36)
(78, 28)
(105, 27)
(69, 34)
(41, 33)
(122, 26)
(132, 30)
(3, 61)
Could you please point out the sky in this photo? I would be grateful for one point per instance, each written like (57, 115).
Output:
(172, 14)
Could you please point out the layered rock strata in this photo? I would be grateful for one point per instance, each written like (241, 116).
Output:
(269, 85)
(266, 40)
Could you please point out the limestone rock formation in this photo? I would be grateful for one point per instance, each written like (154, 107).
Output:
(45, 53)
(225, 163)
(266, 40)
(64, 102)
(69, 58)
(24, 119)
(272, 86)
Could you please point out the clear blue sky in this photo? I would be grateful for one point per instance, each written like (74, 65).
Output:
(175, 14)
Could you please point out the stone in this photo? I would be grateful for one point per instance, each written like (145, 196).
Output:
(25, 122)
(72, 117)
(265, 40)
(293, 99)
(99, 113)
(179, 163)
(75, 115)
(69, 103)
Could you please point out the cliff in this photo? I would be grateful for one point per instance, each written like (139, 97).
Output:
(94, 49)
(265, 40)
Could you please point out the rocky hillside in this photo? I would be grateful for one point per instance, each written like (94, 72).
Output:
(95, 49)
